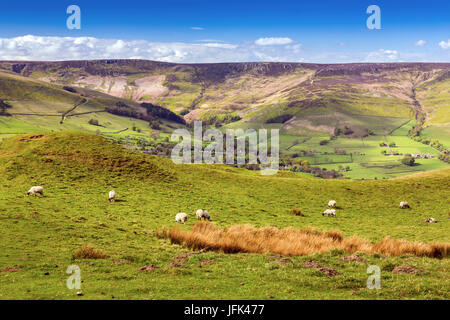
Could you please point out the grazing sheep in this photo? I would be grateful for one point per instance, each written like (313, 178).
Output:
(181, 217)
(332, 204)
(329, 212)
(430, 220)
(112, 196)
(202, 214)
(404, 205)
(35, 190)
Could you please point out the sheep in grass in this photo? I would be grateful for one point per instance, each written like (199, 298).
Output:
(430, 220)
(181, 217)
(112, 196)
(202, 214)
(332, 204)
(329, 212)
(404, 205)
(36, 190)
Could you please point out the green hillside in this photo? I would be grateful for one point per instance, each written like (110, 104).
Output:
(333, 116)
(260, 91)
(36, 106)
(39, 236)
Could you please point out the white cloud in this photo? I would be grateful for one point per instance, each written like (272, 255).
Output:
(382, 56)
(197, 28)
(420, 43)
(220, 45)
(42, 48)
(445, 45)
(209, 40)
(273, 41)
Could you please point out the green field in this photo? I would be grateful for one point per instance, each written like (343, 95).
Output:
(362, 155)
(440, 133)
(38, 236)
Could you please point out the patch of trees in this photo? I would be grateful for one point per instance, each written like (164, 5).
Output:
(69, 89)
(298, 165)
(94, 122)
(136, 129)
(155, 125)
(344, 169)
(152, 112)
(220, 120)
(444, 157)
(343, 131)
(127, 112)
(3, 107)
(318, 172)
(408, 160)
(433, 143)
(160, 112)
(415, 135)
(153, 146)
(280, 119)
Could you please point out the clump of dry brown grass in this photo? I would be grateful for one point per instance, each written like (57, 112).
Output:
(89, 252)
(397, 247)
(291, 242)
(297, 212)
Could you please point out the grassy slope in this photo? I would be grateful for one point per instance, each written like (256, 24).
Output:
(77, 170)
(38, 107)
(259, 91)
(435, 98)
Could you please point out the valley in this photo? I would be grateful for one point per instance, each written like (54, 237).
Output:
(332, 116)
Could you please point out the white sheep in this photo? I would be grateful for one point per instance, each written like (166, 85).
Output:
(431, 220)
(332, 204)
(181, 217)
(404, 205)
(202, 214)
(35, 190)
(329, 212)
(112, 196)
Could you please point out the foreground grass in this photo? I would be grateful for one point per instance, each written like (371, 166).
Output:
(293, 242)
(40, 235)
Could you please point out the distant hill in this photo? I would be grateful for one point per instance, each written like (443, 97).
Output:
(28, 104)
(318, 97)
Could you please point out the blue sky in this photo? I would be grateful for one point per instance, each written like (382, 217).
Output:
(220, 31)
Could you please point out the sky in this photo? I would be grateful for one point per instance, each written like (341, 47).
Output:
(199, 31)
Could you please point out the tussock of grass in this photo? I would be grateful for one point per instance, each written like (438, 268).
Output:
(291, 242)
(297, 212)
(89, 252)
(398, 247)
